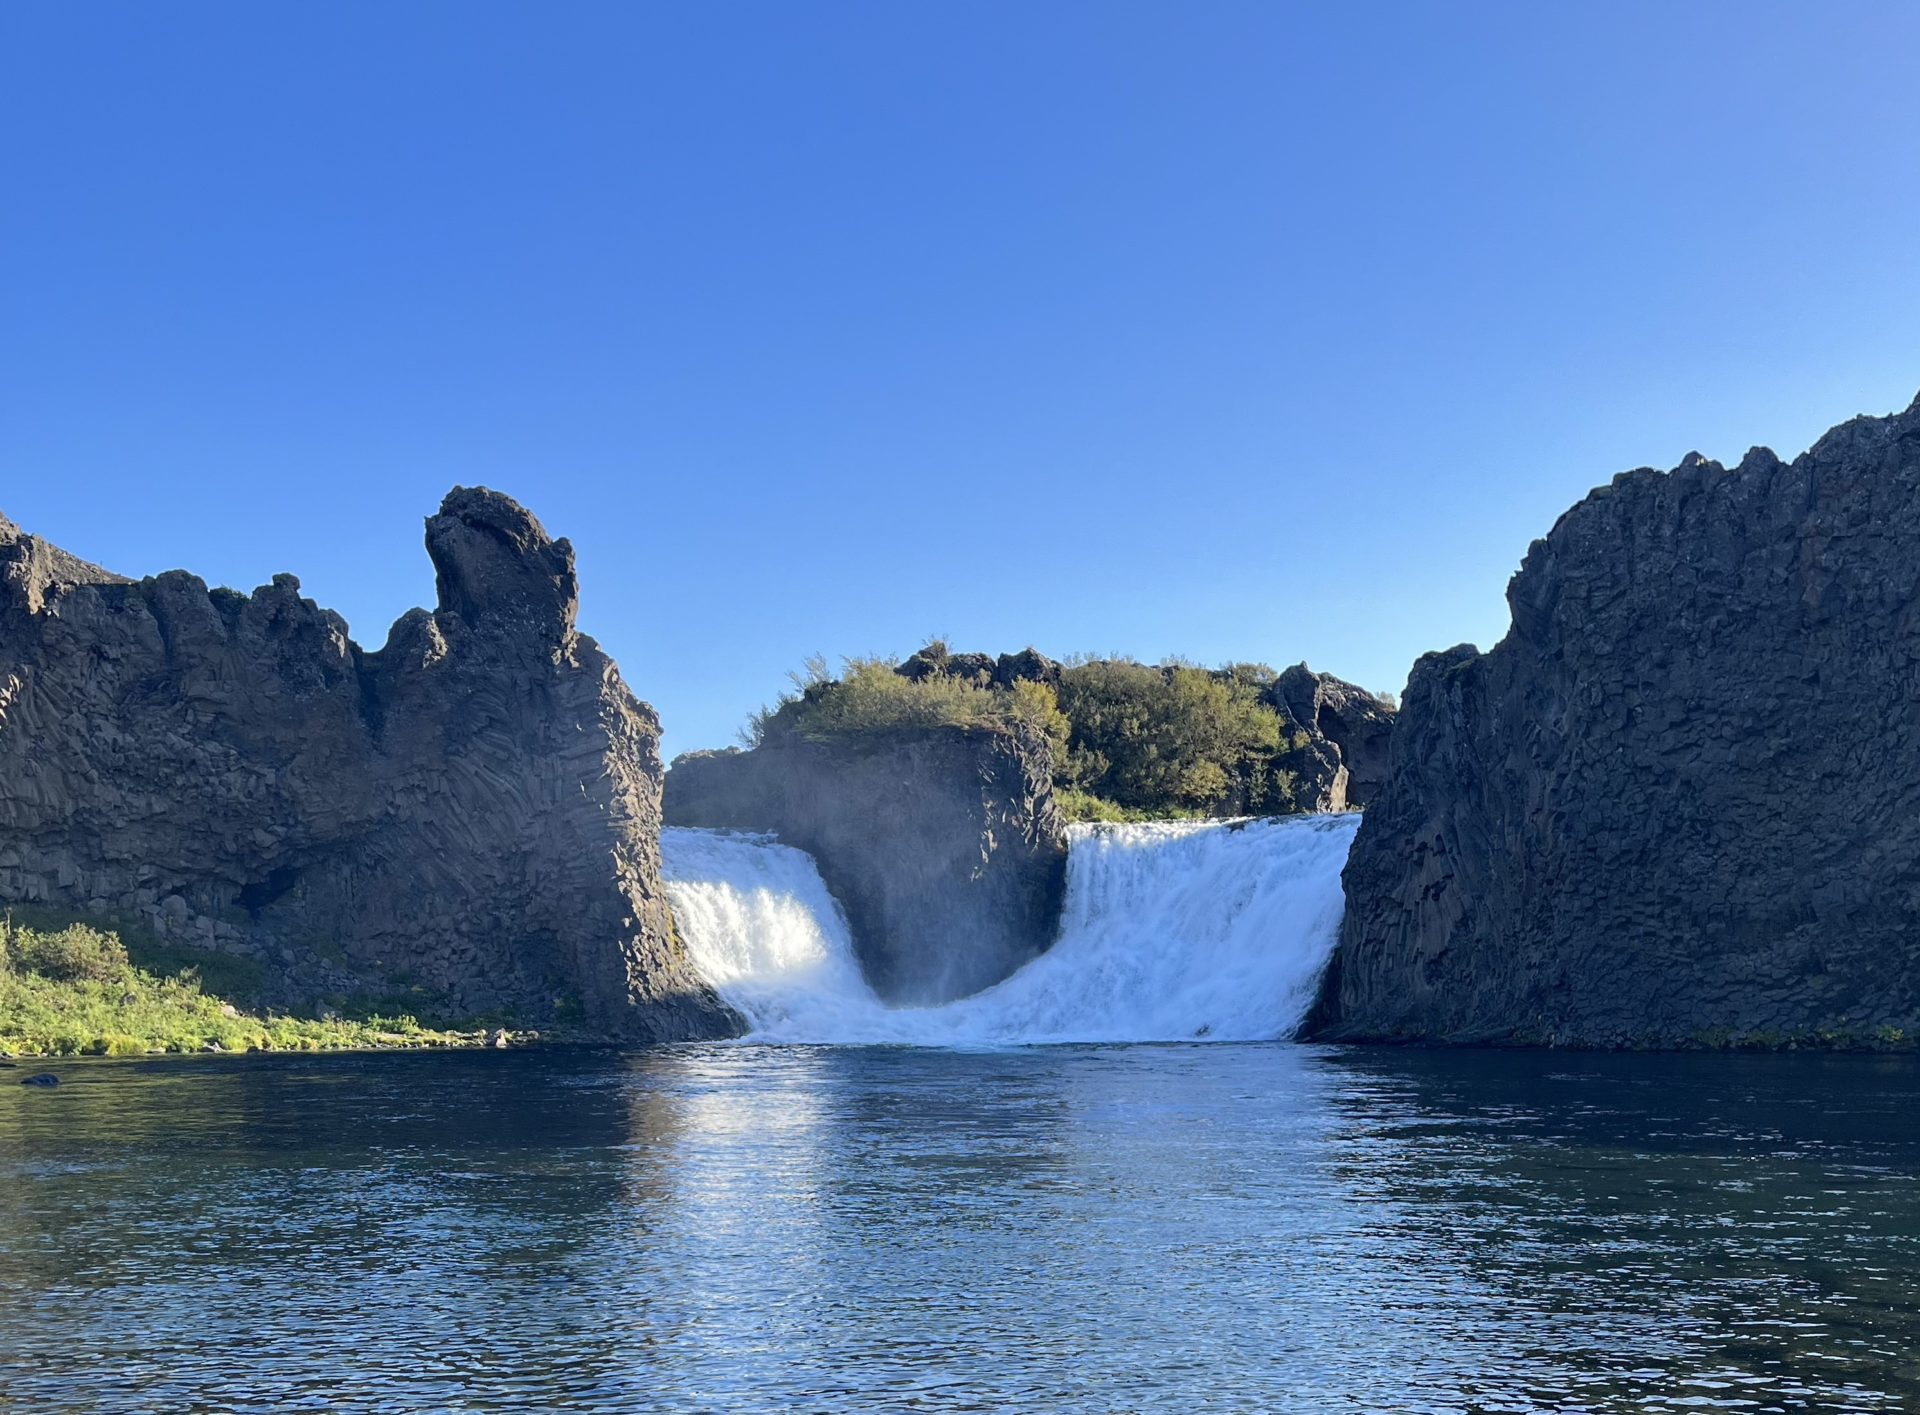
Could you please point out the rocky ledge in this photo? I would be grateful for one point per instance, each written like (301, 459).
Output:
(468, 818)
(1679, 804)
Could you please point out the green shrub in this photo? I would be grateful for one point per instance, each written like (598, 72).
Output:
(1079, 806)
(780, 717)
(870, 696)
(74, 954)
(1037, 707)
(1173, 739)
(1128, 741)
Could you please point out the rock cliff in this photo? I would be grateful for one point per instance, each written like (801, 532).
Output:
(1680, 802)
(468, 818)
(942, 844)
(1342, 732)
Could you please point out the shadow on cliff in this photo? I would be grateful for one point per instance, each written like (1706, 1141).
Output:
(470, 814)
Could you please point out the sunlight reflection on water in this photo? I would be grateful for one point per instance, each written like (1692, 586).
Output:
(1062, 1229)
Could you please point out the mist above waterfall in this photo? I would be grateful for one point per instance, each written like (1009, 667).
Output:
(1171, 932)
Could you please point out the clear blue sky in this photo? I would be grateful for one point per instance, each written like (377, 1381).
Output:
(1237, 331)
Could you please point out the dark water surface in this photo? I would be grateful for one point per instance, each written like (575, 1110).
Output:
(1259, 1228)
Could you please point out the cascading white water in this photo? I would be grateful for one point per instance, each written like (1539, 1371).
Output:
(764, 932)
(1172, 932)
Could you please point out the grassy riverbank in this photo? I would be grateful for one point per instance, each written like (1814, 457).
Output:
(75, 992)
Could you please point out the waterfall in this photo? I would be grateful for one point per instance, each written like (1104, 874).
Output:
(1214, 930)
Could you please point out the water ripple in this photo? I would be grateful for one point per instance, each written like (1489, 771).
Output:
(1179, 1228)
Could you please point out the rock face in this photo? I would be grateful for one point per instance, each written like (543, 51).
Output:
(1342, 761)
(469, 817)
(979, 669)
(942, 844)
(1680, 802)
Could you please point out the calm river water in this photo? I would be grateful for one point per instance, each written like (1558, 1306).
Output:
(1198, 1228)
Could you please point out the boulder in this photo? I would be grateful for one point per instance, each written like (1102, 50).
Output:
(979, 669)
(934, 661)
(1029, 664)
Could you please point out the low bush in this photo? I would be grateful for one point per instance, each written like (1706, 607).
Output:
(1177, 739)
(1080, 806)
(870, 696)
(1129, 741)
(73, 954)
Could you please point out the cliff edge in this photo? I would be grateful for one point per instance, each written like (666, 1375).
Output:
(467, 820)
(1679, 804)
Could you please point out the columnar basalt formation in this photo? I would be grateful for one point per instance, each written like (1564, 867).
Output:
(467, 819)
(943, 844)
(1680, 802)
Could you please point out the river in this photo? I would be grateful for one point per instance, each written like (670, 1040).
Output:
(1225, 1227)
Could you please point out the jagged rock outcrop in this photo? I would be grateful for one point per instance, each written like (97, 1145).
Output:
(979, 669)
(469, 817)
(942, 844)
(1680, 802)
(1343, 731)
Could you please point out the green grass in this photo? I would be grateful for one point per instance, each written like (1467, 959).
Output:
(75, 992)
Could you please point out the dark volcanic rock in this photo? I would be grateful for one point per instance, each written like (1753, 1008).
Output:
(979, 669)
(934, 661)
(942, 844)
(1680, 802)
(473, 811)
(1343, 761)
(1029, 664)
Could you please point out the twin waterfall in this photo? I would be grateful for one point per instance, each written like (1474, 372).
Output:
(1208, 930)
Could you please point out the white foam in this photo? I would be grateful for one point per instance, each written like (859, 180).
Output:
(1178, 931)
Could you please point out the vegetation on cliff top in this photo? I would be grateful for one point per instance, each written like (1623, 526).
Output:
(1176, 739)
(1129, 741)
(75, 992)
(870, 695)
